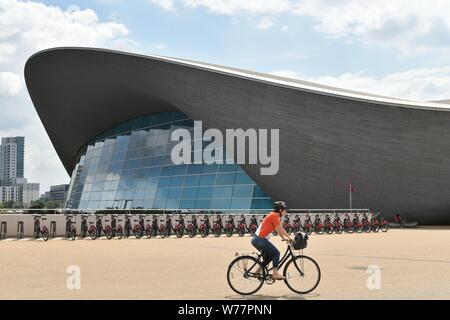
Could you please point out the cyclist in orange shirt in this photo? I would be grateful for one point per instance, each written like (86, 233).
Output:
(261, 241)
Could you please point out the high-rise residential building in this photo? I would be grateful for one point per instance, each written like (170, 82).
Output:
(9, 193)
(12, 152)
(13, 185)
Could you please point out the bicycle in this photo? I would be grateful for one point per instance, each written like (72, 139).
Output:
(148, 227)
(205, 226)
(296, 224)
(162, 228)
(71, 230)
(337, 225)
(192, 227)
(375, 224)
(116, 230)
(318, 225)
(217, 226)
(38, 231)
(169, 226)
(308, 226)
(253, 225)
(137, 227)
(357, 224)
(108, 230)
(119, 230)
(128, 226)
(179, 227)
(304, 269)
(92, 230)
(242, 226)
(287, 224)
(84, 228)
(154, 225)
(328, 225)
(348, 224)
(384, 225)
(367, 226)
(229, 226)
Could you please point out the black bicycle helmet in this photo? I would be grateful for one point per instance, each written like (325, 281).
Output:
(280, 205)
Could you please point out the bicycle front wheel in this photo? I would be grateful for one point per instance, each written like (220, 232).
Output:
(243, 275)
(45, 234)
(302, 274)
(73, 233)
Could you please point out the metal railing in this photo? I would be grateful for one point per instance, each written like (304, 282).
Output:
(177, 211)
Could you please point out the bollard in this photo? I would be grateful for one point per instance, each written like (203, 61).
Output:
(3, 230)
(20, 230)
(53, 229)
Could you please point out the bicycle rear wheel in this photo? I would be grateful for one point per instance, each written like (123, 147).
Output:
(302, 274)
(242, 277)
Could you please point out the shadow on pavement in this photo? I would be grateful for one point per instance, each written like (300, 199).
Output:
(267, 297)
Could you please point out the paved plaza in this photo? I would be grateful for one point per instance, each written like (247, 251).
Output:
(399, 264)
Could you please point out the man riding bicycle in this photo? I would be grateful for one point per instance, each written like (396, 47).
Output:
(261, 241)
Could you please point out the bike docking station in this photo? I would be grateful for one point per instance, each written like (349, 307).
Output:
(20, 230)
(151, 223)
(3, 230)
(52, 229)
(36, 226)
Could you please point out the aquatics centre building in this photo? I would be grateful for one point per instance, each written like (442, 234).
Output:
(110, 115)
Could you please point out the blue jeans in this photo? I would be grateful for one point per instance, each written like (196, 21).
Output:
(268, 249)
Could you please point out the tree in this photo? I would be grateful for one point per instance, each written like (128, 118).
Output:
(37, 204)
(52, 204)
(7, 204)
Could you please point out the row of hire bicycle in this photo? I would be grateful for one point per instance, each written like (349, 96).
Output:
(152, 225)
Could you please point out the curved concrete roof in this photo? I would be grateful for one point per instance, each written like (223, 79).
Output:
(394, 151)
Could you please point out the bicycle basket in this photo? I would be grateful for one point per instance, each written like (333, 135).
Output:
(300, 241)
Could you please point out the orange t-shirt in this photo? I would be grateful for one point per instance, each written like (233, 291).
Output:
(268, 225)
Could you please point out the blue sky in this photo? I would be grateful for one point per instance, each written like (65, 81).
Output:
(392, 47)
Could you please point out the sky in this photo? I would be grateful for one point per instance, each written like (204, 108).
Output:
(399, 48)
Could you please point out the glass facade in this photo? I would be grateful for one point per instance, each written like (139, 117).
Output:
(129, 166)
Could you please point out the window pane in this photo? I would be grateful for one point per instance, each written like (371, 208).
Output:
(242, 191)
(225, 179)
(207, 179)
(223, 192)
(204, 192)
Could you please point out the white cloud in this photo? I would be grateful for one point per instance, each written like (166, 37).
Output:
(285, 28)
(265, 23)
(412, 26)
(25, 28)
(409, 25)
(423, 84)
(167, 5)
(229, 7)
(10, 84)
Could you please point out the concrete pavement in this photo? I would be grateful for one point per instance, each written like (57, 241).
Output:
(413, 264)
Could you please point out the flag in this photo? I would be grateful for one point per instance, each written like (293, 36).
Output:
(351, 188)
